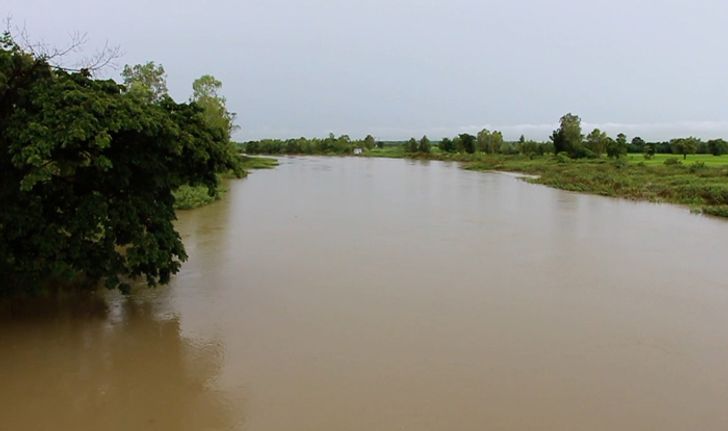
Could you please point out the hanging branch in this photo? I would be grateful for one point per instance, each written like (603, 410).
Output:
(57, 57)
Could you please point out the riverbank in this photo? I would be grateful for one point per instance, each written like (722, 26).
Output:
(700, 182)
(189, 197)
(703, 189)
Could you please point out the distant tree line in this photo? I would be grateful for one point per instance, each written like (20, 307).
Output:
(568, 139)
(332, 144)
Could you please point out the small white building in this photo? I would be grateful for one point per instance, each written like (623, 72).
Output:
(358, 151)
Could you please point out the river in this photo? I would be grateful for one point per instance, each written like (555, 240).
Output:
(375, 294)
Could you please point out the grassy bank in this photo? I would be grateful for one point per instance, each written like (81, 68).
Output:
(696, 184)
(189, 196)
(699, 182)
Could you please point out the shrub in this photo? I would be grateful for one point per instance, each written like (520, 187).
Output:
(697, 166)
(563, 157)
(672, 161)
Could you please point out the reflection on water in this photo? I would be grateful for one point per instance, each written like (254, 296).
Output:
(368, 294)
(83, 363)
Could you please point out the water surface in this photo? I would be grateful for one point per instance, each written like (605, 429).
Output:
(374, 294)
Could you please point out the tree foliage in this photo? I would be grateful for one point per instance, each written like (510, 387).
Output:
(685, 146)
(148, 80)
(597, 141)
(617, 148)
(467, 142)
(446, 145)
(87, 172)
(490, 142)
(424, 146)
(329, 145)
(568, 137)
(369, 142)
(206, 93)
(717, 147)
(411, 146)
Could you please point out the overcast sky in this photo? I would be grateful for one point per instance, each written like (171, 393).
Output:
(400, 68)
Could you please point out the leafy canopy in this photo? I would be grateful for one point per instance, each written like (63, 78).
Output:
(87, 172)
(148, 80)
(568, 137)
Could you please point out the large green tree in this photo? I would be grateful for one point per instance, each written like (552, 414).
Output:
(446, 145)
(369, 142)
(87, 172)
(467, 141)
(717, 147)
(206, 92)
(684, 146)
(424, 146)
(411, 146)
(617, 148)
(596, 142)
(568, 137)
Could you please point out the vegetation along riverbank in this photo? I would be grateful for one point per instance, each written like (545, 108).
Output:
(685, 171)
(89, 167)
(190, 196)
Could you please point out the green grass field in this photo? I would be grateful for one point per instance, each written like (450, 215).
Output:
(659, 159)
(702, 188)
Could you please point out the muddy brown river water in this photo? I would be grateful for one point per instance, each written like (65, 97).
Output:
(372, 294)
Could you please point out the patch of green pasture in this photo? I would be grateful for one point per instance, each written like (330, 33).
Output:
(659, 159)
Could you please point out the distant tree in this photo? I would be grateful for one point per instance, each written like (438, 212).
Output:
(457, 144)
(446, 145)
(568, 137)
(380, 144)
(684, 146)
(530, 148)
(496, 143)
(468, 142)
(596, 142)
(649, 150)
(148, 80)
(411, 146)
(617, 148)
(483, 140)
(369, 142)
(489, 142)
(638, 144)
(424, 145)
(206, 94)
(717, 147)
(343, 145)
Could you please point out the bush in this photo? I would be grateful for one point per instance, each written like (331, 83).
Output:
(697, 166)
(672, 161)
(563, 157)
(620, 163)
